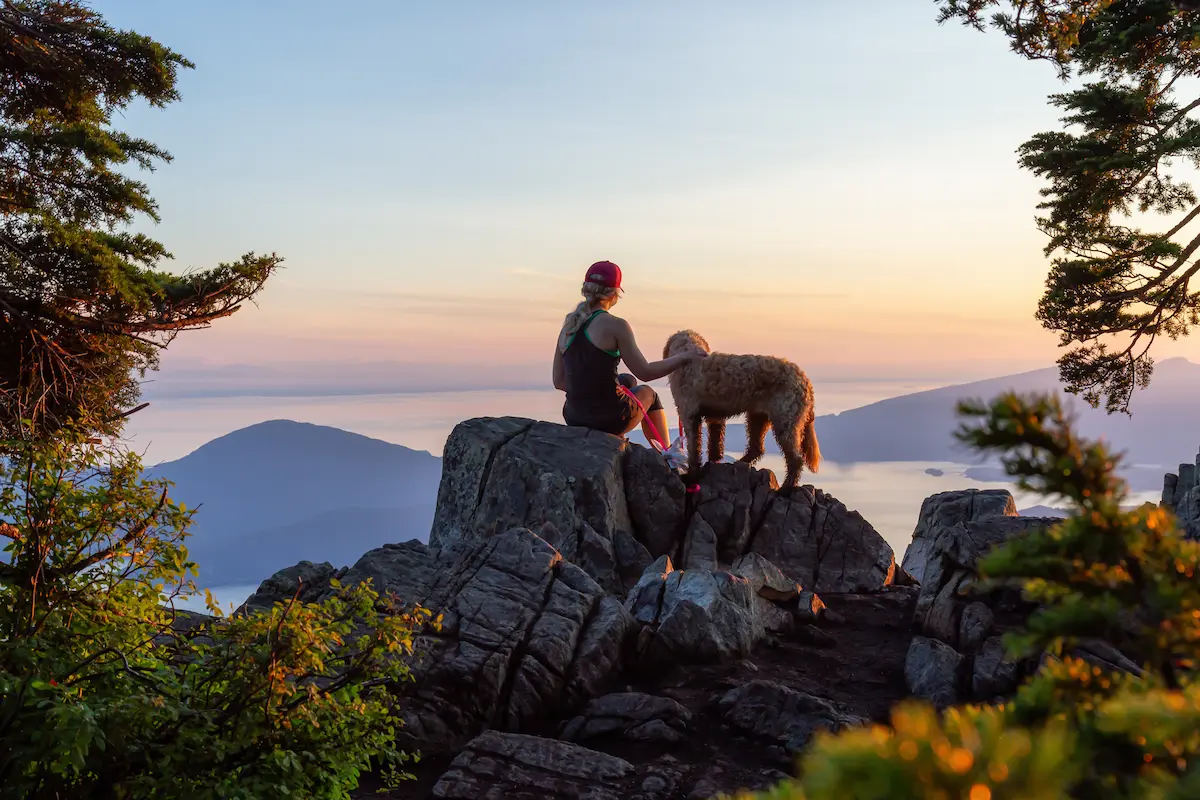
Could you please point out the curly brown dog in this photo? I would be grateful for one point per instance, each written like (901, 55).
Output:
(772, 393)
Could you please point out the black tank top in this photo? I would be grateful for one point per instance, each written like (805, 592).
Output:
(594, 396)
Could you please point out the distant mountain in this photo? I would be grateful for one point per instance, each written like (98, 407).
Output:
(1164, 428)
(1044, 511)
(277, 492)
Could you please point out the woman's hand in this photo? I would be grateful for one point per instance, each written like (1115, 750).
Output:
(693, 355)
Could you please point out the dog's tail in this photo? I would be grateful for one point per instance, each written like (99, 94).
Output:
(810, 447)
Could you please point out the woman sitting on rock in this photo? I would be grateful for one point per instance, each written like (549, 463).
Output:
(590, 346)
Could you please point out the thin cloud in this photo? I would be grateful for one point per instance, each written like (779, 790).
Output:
(704, 289)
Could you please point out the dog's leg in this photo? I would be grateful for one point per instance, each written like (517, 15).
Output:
(756, 436)
(716, 440)
(692, 432)
(787, 437)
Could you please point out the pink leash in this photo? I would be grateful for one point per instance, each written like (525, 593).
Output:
(692, 488)
(645, 415)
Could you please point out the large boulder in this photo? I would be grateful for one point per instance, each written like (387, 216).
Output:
(776, 713)
(821, 544)
(947, 510)
(519, 767)
(524, 634)
(954, 530)
(630, 715)
(931, 671)
(305, 581)
(507, 473)
(693, 615)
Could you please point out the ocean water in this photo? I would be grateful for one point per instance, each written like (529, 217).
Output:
(887, 494)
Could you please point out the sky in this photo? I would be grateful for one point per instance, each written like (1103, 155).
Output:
(827, 181)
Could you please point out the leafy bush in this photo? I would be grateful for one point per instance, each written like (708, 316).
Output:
(106, 692)
(1073, 729)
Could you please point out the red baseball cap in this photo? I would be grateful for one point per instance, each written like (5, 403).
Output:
(604, 273)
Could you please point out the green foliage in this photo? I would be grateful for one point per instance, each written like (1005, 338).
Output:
(1126, 578)
(1113, 287)
(84, 304)
(106, 692)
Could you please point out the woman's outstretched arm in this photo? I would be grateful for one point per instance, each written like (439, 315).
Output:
(643, 370)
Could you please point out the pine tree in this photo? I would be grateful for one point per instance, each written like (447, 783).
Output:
(1114, 287)
(85, 304)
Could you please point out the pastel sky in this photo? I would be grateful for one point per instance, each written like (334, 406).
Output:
(835, 182)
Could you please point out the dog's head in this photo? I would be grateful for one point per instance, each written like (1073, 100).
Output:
(685, 340)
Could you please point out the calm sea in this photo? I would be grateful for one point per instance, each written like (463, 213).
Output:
(888, 495)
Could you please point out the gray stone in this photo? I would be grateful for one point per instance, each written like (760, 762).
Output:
(630, 715)
(974, 626)
(993, 675)
(694, 615)
(732, 499)
(947, 509)
(700, 546)
(810, 608)
(517, 767)
(505, 473)
(954, 530)
(656, 498)
(766, 579)
(777, 713)
(523, 633)
(305, 581)
(931, 671)
(819, 543)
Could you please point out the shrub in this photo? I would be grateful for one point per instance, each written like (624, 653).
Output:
(1073, 729)
(107, 692)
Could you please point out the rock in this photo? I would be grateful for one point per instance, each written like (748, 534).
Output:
(499, 474)
(524, 634)
(517, 767)
(954, 530)
(765, 578)
(1102, 654)
(630, 715)
(657, 498)
(993, 675)
(819, 543)
(777, 713)
(693, 615)
(942, 620)
(700, 546)
(1188, 514)
(809, 607)
(732, 499)
(947, 509)
(309, 579)
(931, 671)
(974, 626)
(776, 595)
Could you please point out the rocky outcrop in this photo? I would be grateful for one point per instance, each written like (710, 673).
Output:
(785, 716)
(630, 715)
(611, 507)
(1181, 494)
(505, 473)
(954, 530)
(932, 671)
(520, 767)
(693, 615)
(524, 634)
(305, 581)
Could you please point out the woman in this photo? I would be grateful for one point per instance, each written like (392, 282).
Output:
(590, 346)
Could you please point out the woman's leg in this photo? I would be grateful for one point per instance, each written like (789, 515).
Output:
(655, 415)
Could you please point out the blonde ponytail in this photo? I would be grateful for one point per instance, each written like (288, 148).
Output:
(574, 321)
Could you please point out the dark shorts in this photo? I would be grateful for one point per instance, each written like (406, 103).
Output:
(614, 416)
